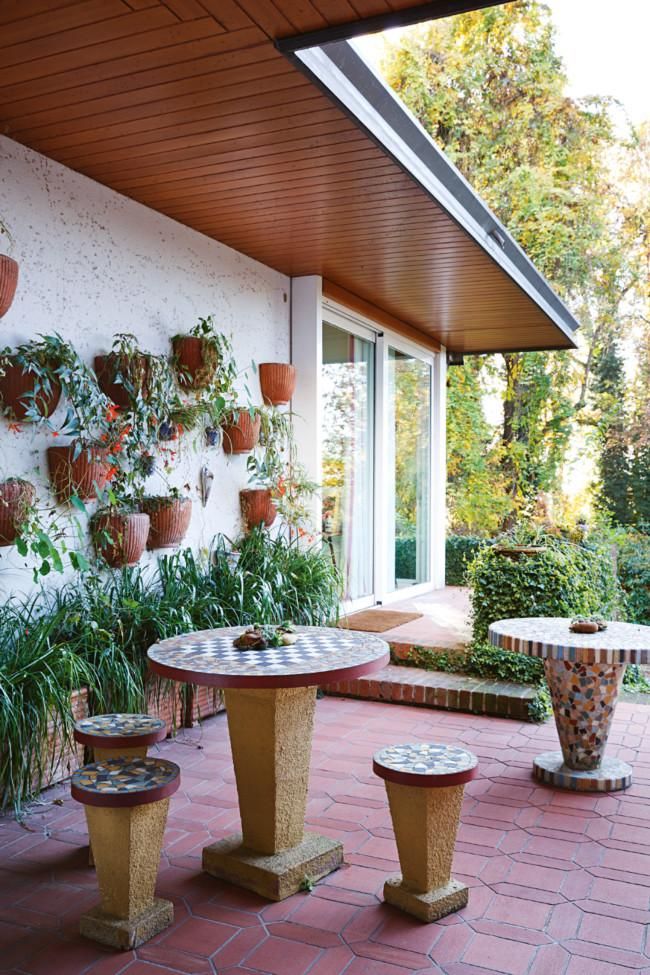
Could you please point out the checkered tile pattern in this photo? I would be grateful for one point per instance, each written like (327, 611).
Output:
(620, 643)
(318, 650)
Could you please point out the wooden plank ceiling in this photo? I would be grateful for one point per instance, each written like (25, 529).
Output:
(187, 107)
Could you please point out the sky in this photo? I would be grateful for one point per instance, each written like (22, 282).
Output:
(605, 46)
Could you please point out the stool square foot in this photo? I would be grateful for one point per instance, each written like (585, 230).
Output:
(276, 875)
(127, 933)
(429, 906)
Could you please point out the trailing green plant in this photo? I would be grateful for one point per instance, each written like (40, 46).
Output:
(38, 673)
(562, 579)
(459, 552)
(219, 369)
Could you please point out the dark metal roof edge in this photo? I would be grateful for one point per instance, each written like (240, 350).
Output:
(407, 128)
(434, 10)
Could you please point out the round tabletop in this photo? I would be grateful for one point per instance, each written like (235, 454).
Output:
(321, 655)
(550, 637)
(425, 764)
(123, 782)
(119, 730)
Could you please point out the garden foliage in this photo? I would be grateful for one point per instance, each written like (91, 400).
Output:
(459, 552)
(95, 633)
(564, 579)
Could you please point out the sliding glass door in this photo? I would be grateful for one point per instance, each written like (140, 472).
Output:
(376, 406)
(348, 432)
(408, 469)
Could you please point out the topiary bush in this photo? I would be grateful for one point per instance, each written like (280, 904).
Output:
(405, 557)
(460, 550)
(563, 579)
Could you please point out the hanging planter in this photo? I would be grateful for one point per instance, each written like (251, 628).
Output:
(518, 551)
(277, 382)
(134, 368)
(16, 499)
(241, 432)
(169, 520)
(8, 282)
(196, 360)
(257, 507)
(82, 475)
(120, 537)
(17, 388)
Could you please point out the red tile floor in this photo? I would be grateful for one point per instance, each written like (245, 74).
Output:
(560, 883)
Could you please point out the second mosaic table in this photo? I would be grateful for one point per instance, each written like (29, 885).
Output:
(270, 703)
(584, 673)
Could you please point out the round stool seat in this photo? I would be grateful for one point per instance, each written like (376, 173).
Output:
(429, 765)
(119, 730)
(125, 782)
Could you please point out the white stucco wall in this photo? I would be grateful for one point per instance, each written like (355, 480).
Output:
(93, 263)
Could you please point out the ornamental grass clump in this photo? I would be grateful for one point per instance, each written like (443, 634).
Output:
(560, 579)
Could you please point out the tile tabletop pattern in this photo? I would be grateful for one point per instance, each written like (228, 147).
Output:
(321, 654)
(620, 643)
(415, 762)
(120, 726)
(119, 778)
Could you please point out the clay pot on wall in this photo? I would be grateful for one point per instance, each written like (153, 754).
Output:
(108, 366)
(242, 436)
(16, 387)
(169, 520)
(8, 282)
(16, 498)
(257, 507)
(193, 368)
(277, 382)
(120, 538)
(77, 475)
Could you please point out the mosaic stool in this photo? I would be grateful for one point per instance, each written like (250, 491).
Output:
(118, 736)
(425, 785)
(126, 803)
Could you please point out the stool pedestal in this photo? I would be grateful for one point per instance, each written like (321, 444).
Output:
(425, 784)
(425, 823)
(126, 840)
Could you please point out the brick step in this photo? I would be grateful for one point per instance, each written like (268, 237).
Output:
(435, 689)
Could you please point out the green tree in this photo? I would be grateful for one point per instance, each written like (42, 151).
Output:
(490, 88)
(614, 491)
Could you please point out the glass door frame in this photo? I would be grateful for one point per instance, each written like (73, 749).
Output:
(383, 339)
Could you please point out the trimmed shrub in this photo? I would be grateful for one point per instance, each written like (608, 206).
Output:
(405, 557)
(460, 550)
(634, 574)
(563, 579)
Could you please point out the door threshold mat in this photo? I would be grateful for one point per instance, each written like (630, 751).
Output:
(376, 620)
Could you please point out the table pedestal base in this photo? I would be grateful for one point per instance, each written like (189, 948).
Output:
(275, 875)
(428, 906)
(610, 776)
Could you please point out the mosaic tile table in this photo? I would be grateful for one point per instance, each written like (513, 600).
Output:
(584, 673)
(270, 702)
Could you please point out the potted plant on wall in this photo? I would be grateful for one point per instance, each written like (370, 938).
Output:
(277, 382)
(169, 516)
(29, 387)
(241, 428)
(126, 373)
(8, 275)
(119, 530)
(80, 468)
(265, 467)
(203, 357)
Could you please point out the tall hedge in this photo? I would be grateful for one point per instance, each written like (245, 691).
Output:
(459, 552)
(564, 579)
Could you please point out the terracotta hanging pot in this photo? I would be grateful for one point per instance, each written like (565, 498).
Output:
(242, 436)
(257, 507)
(277, 382)
(16, 498)
(16, 387)
(169, 520)
(120, 538)
(8, 282)
(108, 366)
(195, 361)
(77, 475)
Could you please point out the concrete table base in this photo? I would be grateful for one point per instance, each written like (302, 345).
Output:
(127, 933)
(270, 735)
(428, 906)
(276, 875)
(610, 776)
